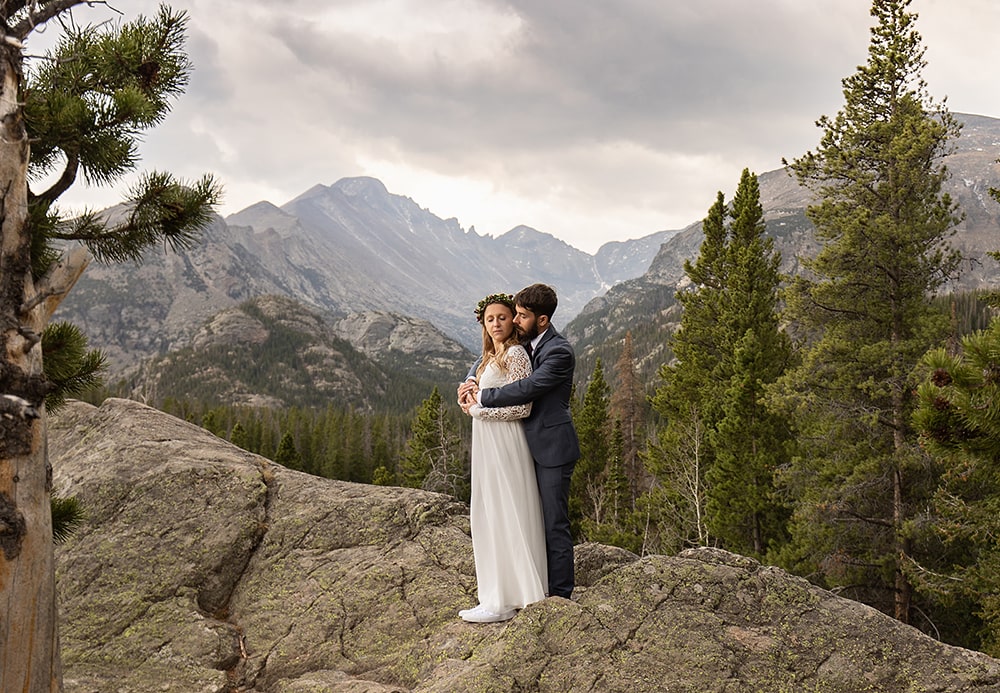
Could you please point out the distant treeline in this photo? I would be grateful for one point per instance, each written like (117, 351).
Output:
(970, 311)
(336, 442)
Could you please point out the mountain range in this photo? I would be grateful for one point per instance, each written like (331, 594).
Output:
(348, 248)
(381, 276)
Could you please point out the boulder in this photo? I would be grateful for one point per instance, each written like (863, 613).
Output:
(201, 567)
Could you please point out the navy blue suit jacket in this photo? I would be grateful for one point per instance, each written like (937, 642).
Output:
(549, 428)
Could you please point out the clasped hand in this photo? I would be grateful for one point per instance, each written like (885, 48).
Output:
(467, 392)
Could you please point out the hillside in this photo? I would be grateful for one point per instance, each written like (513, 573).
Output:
(274, 352)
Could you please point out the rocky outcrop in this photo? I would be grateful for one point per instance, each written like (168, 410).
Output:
(204, 568)
(406, 344)
(273, 351)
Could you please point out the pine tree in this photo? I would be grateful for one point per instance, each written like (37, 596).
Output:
(332, 464)
(82, 111)
(383, 477)
(593, 426)
(728, 349)
(616, 484)
(958, 420)
(435, 458)
(211, 422)
(287, 454)
(69, 366)
(748, 441)
(381, 455)
(688, 396)
(628, 408)
(618, 524)
(864, 309)
(699, 342)
(238, 436)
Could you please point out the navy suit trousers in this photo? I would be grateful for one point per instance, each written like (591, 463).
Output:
(553, 487)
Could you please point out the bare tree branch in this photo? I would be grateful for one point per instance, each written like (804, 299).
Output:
(54, 286)
(65, 181)
(46, 12)
(12, 7)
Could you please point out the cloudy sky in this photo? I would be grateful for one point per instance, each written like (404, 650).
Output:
(592, 120)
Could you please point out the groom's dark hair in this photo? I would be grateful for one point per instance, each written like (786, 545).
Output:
(540, 299)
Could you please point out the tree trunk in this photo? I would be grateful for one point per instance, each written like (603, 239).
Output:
(29, 661)
(903, 589)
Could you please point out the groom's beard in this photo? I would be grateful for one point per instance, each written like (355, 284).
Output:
(527, 335)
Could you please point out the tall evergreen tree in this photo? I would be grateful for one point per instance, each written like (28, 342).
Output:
(748, 441)
(728, 348)
(698, 344)
(82, 111)
(864, 308)
(381, 455)
(616, 483)
(615, 522)
(687, 398)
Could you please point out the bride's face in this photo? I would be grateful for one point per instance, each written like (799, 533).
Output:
(499, 322)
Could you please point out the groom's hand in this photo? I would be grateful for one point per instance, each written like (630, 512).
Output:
(467, 394)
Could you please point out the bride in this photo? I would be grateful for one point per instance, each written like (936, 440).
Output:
(508, 540)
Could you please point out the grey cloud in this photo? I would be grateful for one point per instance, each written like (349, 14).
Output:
(588, 109)
(646, 71)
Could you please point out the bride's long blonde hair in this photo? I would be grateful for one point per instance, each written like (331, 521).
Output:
(490, 351)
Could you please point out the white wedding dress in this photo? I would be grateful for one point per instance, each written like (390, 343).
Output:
(508, 539)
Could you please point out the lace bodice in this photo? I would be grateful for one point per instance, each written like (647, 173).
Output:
(518, 366)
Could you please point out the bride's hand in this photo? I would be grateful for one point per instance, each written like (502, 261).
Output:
(467, 391)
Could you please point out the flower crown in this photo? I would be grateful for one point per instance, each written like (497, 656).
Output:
(505, 299)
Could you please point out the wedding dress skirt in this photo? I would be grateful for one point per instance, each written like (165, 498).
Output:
(508, 539)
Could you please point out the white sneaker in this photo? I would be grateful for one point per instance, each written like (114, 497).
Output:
(481, 614)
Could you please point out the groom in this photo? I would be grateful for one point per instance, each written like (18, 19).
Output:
(549, 428)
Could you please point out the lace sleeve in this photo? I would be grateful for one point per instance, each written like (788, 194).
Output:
(518, 367)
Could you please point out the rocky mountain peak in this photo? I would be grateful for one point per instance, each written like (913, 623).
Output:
(361, 186)
(262, 215)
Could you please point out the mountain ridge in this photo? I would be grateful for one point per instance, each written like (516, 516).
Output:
(354, 248)
(272, 351)
(350, 247)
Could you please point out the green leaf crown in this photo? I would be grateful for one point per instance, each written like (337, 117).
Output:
(506, 299)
